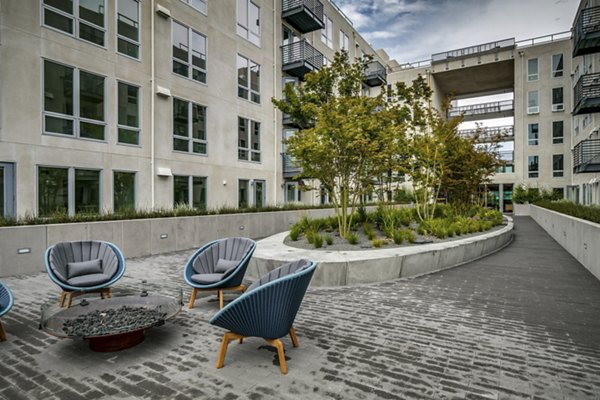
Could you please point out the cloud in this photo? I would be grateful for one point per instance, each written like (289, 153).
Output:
(412, 30)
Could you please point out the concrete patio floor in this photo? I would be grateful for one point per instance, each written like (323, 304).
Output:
(523, 323)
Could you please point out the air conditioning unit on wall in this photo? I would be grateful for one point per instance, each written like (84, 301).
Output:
(533, 110)
(558, 107)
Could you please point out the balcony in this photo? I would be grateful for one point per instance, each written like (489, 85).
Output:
(304, 15)
(587, 94)
(586, 156)
(586, 32)
(472, 51)
(375, 74)
(300, 58)
(290, 169)
(489, 134)
(473, 112)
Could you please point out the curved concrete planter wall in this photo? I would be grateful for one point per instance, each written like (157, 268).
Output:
(340, 268)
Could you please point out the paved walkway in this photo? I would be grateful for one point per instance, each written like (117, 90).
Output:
(523, 323)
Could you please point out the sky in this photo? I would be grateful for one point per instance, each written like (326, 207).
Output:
(413, 30)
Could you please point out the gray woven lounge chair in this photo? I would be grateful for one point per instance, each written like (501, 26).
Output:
(267, 309)
(88, 266)
(219, 265)
(6, 303)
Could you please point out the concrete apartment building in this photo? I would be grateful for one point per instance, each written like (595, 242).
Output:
(106, 105)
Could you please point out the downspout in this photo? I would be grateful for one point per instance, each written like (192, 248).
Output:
(275, 80)
(152, 78)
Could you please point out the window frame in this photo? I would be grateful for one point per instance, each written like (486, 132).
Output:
(533, 109)
(250, 125)
(533, 141)
(532, 77)
(247, 202)
(189, 63)
(555, 138)
(255, 183)
(137, 129)
(558, 73)
(76, 20)
(558, 107)
(533, 173)
(344, 44)
(250, 94)
(135, 187)
(129, 40)
(76, 117)
(245, 25)
(190, 139)
(71, 193)
(558, 173)
(327, 32)
(190, 191)
(190, 4)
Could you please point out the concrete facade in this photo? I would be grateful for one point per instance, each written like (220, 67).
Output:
(29, 40)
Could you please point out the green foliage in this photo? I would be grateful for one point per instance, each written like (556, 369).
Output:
(352, 238)
(329, 240)
(295, 233)
(377, 243)
(449, 224)
(389, 219)
(589, 213)
(528, 194)
(404, 196)
(401, 235)
(318, 241)
(369, 231)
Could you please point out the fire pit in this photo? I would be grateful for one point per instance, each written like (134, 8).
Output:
(111, 324)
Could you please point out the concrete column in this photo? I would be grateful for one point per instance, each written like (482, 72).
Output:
(501, 197)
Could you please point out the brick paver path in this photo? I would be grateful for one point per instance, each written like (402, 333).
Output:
(523, 323)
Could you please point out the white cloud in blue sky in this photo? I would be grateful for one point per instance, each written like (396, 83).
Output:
(412, 30)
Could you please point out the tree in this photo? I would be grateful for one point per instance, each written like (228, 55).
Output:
(342, 138)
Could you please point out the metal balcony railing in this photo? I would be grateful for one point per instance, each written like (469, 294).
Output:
(477, 110)
(300, 58)
(586, 156)
(508, 156)
(586, 32)
(375, 74)
(304, 15)
(586, 94)
(473, 50)
(489, 133)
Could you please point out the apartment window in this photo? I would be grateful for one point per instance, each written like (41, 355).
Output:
(123, 191)
(557, 99)
(81, 18)
(64, 88)
(557, 65)
(7, 190)
(199, 5)
(189, 191)
(343, 41)
(532, 69)
(128, 114)
(533, 135)
(327, 32)
(243, 189)
(248, 140)
(189, 62)
(533, 105)
(248, 21)
(533, 166)
(55, 186)
(128, 28)
(248, 79)
(293, 192)
(189, 127)
(259, 193)
(557, 132)
(558, 166)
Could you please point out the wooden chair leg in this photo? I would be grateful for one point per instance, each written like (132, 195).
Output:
(228, 337)
(2, 333)
(193, 298)
(69, 299)
(62, 298)
(220, 299)
(279, 345)
(109, 293)
(294, 337)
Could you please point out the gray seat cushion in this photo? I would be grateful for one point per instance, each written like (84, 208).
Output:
(225, 265)
(206, 279)
(286, 269)
(89, 280)
(89, 267)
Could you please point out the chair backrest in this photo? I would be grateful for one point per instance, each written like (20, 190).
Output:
(268, 309)
(204, 260)
(6, 299)
(58, 256)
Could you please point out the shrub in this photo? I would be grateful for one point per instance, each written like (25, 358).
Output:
(369, 231)
(352, 238)
(378, 243)
(294, 233)
(329, 240)
(527, 194)
(589, 213)
(401, 235)
(404, 196)
(318, 241)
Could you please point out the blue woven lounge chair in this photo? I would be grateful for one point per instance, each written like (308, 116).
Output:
(6, 303)
(267, 309)
(219, 265)
(87, 266)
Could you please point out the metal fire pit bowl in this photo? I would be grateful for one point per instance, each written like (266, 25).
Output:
(111, 324)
